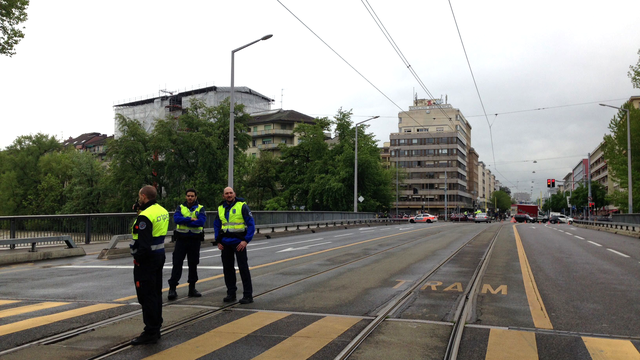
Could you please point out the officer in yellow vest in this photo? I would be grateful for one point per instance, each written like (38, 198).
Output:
(189, 218)
(147, 248)
(234, 228)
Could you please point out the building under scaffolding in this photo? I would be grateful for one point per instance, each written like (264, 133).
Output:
(147, 111)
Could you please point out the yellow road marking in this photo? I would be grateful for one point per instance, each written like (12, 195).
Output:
(510, 344)
(30, 308)
(609, 349)
(538, 311)
(400, 283)
(219, 337)
(289, 259)
(49, 319)
(5, 302)
(309, 340)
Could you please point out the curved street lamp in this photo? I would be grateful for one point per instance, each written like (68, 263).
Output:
(231, 115)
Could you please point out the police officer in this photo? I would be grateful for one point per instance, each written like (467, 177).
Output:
(189, 218)
(234, 228)
(147, 249)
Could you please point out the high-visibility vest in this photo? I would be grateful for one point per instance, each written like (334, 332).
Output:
(159, 218)
(235, 224)
(181, 228)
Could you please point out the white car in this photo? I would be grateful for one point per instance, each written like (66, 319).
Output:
(428, 218)
(482, 217)
(565, 219)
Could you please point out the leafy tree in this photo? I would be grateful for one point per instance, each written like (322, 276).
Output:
(634, 74)
(261, 182)
(502, 199)
(615, 151)
(131, 164)
(580, 196)
(20, 175)
(12, 14)
(193, 152)
(86, 192)
(505, 190)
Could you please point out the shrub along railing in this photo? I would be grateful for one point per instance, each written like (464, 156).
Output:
(87, 228)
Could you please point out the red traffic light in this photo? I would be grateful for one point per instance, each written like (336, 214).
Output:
(548, 182)
(553, 182)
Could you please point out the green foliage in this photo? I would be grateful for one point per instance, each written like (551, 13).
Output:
(615, 151)
(261, 182)
(87, 191)
(502, 199)
(12, 14)
(580, 196)
(634, 74)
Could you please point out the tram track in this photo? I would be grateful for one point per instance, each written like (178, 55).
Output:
(201, 316)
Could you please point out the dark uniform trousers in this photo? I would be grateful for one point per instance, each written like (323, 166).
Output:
(228, 262)
(148, 278)
(188, 246)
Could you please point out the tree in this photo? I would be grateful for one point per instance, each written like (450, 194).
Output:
(634, 74)
(86, 191)
(580, 196)
(502, 199)
(261, 183)
(21, 176)
(12, 14)
(506, 190)
(131, 164)
(615, 151)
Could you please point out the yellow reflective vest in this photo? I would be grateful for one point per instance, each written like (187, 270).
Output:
(235, 224)
(181, 228)
(159, 218)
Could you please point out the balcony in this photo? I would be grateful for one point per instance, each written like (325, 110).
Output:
(271, 132)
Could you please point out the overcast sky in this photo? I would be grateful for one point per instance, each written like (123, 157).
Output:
(79, 58)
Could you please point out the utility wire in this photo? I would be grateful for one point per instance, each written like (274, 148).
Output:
(551, 107)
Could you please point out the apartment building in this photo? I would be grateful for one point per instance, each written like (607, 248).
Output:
(271, 128)
(432, 148)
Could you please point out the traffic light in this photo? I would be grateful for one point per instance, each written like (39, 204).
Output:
(553, 182)
(548, 183)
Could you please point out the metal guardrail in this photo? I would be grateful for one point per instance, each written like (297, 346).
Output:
(610, 225)
(89, 228)
(46, 240)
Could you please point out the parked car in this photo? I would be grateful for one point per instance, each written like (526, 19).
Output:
(555, 219)
(543, 218)
(482, 217)
(522, 218)
(428, 218)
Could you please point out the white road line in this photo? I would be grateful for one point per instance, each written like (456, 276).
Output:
(568, 233)
(344, 235)
(581, 238)
(594, 243)
(619, 253)
(405, 228)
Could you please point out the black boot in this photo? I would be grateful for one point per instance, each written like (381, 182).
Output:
(146, 338)
(172, 293)
(193, 292)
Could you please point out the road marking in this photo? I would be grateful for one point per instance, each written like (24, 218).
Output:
(619, 253)
(219, 337)
(594, 243)
(5, 302)
(343, 235)
(304, 247)
(538, 311)
(130, 267)
(30, 308)
(611, 349)
(49, 319)
(581, 238)
(511, 344)
(286, 260)
(400, 283)
(568, 233)
(308, 341)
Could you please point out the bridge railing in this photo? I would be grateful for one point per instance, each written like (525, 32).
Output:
(87, 228)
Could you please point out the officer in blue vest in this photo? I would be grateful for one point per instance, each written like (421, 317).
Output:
(147, 248)
(234, 228)
(189, 218)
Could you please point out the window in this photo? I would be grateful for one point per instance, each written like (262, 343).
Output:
(267, 127)
(439, 129)
(407, 130)
(255, 129)
(267, 141)
(423, 130)
(414, 141)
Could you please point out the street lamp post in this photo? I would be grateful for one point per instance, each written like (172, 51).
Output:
(231, 115)
(355, 176)
(630, 184)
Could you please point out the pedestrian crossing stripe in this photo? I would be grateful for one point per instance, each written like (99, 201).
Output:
(603, 349)
(512, 344)
(219, 337)
(30, 308)
(5, 302)
(308, 341)
(49, 319)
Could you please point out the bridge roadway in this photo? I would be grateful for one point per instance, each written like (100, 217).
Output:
(544, 292)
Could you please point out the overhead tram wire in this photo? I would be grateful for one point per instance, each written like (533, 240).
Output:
(396, 48)
(354, 69)
(551, 107)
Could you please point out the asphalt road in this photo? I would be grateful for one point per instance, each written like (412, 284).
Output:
(547, 292)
